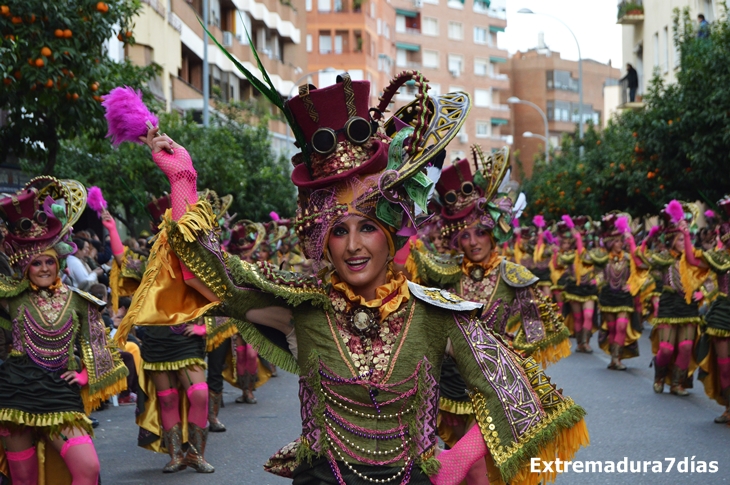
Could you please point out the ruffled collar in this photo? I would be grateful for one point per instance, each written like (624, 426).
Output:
(481, 269)
(389, 297)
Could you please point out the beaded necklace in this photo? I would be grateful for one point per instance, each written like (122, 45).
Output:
(48, 343)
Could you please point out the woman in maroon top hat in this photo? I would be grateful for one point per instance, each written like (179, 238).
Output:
(61, 366)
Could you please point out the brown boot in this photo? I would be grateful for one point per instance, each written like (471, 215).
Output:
(660, 373)
(579, 341)
(616, 351)
(724, 418)
(173, 442)
(587, 333)
(214, 405)
(195, 459)
(678, 378)
(247, 383)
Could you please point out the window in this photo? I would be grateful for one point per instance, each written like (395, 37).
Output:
(481, 66)
(430, 26)
(483, 129)
(400, 24)
(456, 64)
(309, 42)
(481, 35)
(386, 30)
(454, 89)
(338, 44)
(457, 4)
(379, 24)
(656, 49)
(372, 9)
(401, 58)
(430, 59)
(562, 80)
(338, 6)
(665, 67)
(325, 43)
(308, 5)
(432, 2)
(568, 112)
(482, 98)
(456, 31)
(323, 5)
(434, 89)
(456, 155)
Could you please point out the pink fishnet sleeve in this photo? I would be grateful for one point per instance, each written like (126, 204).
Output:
(178, 167)
(456, 462)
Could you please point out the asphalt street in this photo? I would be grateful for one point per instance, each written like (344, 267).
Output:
(625, 419)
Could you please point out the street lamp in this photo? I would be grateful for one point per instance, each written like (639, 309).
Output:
(529, 134)
(580, 67)
(516, 100)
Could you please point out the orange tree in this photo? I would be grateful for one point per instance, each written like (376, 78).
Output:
(54, 68)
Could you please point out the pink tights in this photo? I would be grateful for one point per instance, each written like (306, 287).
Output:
(684, 354)
(23, 466)
(169, 407)
(588, 318)
(81, 459)
(664, 354)
(620, 334)
(577, 322)
(724, 368)
(198, 397)
(246, 360)
(456, 462)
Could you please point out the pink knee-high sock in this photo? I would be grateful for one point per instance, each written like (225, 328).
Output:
(170, 407)
(684, 354)
(621, 325)
(23, 466)
(557, 301)
(478, 474)
(456, 462)
(198, 397)
(611, 330)
(577, 321)
(587, 318)
(81, 459)
(664, 354)
(246, 360)
(724, 368)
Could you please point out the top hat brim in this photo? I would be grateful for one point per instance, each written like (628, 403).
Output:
(54, 227)
(378, 161)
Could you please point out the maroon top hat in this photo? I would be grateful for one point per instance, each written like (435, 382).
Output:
(457, 190)
(157, 209)
(342, 139)
(27, 221)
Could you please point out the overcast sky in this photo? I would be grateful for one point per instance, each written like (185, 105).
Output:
(592, 21)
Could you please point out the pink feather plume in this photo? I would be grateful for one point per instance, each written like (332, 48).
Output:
(653, 231)
(710, 214)
(622, 224)
(549, 238)
(274, 216)
(675, 211)
(95, 200)
(127, 115)
(538, 221)
(568, 221)
(516, 223)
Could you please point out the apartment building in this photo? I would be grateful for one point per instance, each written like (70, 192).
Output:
(542, 77)
(454, 44)
(350, 35)
(168, 32)
(648, 40)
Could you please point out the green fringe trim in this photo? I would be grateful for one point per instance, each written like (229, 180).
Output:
(175, 365)
(676, 321)
(271, 352)
(305, 453)
(217, 334)
(717, 332)
(119, 373)
(430, 466)
(10, 287)
(549, 341)
(50, 424)
(616, 309)
(521, 458)
(455, 407)
(433, 272)
(582, 299)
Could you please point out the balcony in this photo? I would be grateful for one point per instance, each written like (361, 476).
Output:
(499, 81)
(630, 12)
(625, 100)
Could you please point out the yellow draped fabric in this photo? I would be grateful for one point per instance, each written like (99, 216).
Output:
(487, 266)
(263, 374)
(518, 253)
(163, 298)
(538, 253)
(692, 276)
(398, 284)
(119, 285)
(637, 277)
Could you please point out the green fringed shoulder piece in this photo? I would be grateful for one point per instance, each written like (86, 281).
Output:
(268, 350)
(436, 269)
(719, 261)
(10, 287)
(661, 259)
(430, 466)
(565, 259)
(599, 256)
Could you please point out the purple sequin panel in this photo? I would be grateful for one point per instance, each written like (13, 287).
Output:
(530, 314)
(309, 401)
(103, 361)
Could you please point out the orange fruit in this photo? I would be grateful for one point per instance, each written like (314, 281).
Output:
(46, 52)
(17, 74)
(71, 74)
(102, 7)
(39, 63)
(17, 20)
(97, 98)
(128, 34)
(31, 19)
(10, 37)
(95, 87)
(119, 36)
(7, 81)
(75, 96)
(31, 62)
(67, 34)
(49, 83)
(64, 71)
(4, 10)
(68, 96)
(58, 33)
